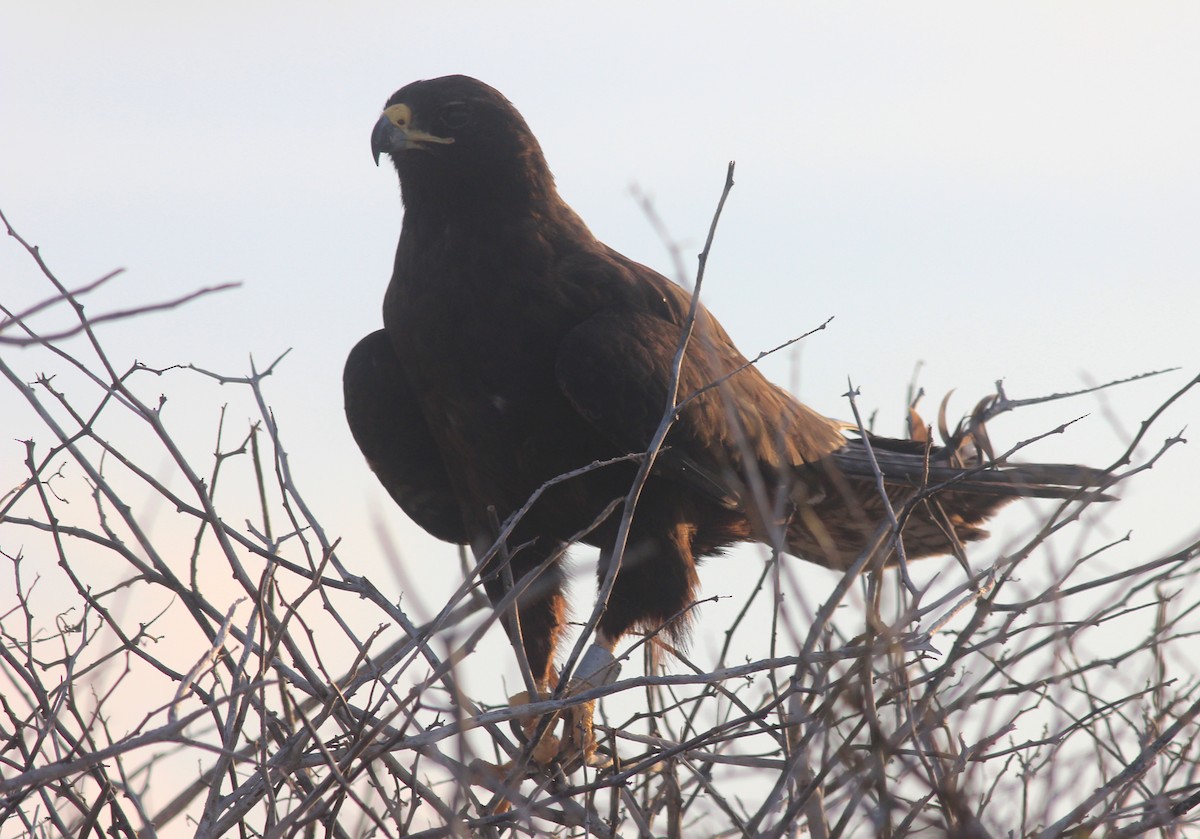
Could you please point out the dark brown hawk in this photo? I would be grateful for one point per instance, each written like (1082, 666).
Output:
(516, 348)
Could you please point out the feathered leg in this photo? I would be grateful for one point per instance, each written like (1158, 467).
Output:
(654, 586)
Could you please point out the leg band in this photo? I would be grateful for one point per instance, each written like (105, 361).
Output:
(597, 667)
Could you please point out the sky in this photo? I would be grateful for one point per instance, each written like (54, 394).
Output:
(986, 191)
(991, 191)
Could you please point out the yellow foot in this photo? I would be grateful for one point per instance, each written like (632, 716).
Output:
(495, 776)
(579, 737)
(597, 667)
(491, 776)
(548, 746)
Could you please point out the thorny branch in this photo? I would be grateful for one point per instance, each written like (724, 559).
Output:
(1042, 693)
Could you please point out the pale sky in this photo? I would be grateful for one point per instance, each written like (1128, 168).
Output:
(1003, 191)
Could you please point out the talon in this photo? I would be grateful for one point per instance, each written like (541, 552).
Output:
(579, 738)
(547, 749)
(597, 667)
(490, 776)
(577, 746)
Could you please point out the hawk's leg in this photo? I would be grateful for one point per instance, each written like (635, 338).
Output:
(655, 584)
(535, 625)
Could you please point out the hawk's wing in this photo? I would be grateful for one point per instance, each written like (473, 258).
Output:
(732, 425)
(386, 421)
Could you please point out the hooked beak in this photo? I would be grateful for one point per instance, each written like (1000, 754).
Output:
(395, 133)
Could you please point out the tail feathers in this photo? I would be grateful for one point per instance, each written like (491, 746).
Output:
(905, 462)
(835, 518)
(834, 527)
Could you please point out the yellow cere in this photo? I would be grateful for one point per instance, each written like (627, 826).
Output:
(400, 115)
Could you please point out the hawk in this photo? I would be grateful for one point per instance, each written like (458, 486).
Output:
(517, 348)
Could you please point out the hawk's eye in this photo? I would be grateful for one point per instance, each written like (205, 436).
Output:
(455, 115)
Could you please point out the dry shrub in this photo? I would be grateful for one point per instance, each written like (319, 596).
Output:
(168, 609)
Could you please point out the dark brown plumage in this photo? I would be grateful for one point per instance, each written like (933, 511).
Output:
(516, 347)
